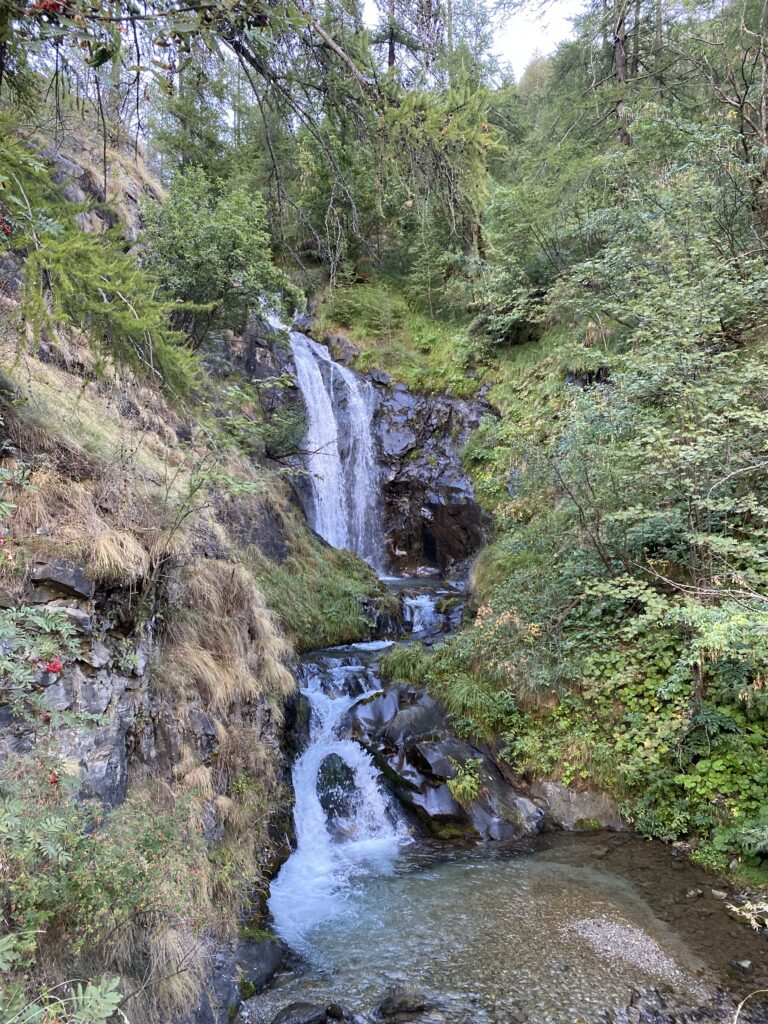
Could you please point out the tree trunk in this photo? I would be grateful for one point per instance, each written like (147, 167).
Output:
(636, 41)
(621, 71)
(392, 54)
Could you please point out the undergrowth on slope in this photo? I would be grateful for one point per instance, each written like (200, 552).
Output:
(318, 592)
(85, 281)
(424, 352)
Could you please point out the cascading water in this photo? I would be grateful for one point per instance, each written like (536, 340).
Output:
(341, 460)
(330, 515)
(313, 883)
(421, 613)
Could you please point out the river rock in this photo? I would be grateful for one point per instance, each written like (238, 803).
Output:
(336, 787)
(407, 733)
(577, 810)
(259, 960)
(399, 1004)
(418, 716)
(372, 716)
(302, 1013)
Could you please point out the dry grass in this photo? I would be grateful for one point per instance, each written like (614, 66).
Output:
(58, 516)
(224, 641)
(117, 555)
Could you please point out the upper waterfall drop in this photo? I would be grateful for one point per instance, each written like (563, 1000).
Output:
(341, 455)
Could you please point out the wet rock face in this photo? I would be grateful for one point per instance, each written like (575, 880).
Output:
(406, 732)
(336, 788)
(431, 516)
(577, 810)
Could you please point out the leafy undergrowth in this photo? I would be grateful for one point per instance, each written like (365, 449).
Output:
(318, 592)
(424, 352)
(615, 644)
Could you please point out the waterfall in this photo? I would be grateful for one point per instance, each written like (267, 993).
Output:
(421, 613)
(341, 460)
(312, 884)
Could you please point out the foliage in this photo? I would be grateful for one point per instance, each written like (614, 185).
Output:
(84, 281)
(424, 351)
(90, 882)
(259, 419)
(318, 593)
(465, 784)
(35, 643)
(80, 1004)
(209, 247)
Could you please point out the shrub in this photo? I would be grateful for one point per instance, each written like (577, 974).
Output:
(86, 890)
(466, 784)
(209, 246)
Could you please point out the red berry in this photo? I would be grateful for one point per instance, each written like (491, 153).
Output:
(55, 666)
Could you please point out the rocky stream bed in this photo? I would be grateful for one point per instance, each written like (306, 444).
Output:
(400, 904)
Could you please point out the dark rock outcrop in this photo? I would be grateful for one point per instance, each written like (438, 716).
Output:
(431, 516)
(406, 732)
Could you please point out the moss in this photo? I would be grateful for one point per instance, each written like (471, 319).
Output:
(247, 989)
(425, 353)
(254, 931)
(587, 825)
(318, 592)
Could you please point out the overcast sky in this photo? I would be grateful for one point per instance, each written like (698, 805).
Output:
(523, 34)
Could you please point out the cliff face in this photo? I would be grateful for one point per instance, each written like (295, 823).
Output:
(144, 554)
(431, 514)
(431, 517)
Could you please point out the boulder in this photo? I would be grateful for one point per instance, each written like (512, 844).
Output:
(220, 995)
(370, 717)
(63, 577)
(259, 960)
(302, 1013)
(336, 787)
(421, 717)
(577, 810)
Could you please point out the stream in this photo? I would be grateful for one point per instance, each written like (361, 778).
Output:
(552, 929)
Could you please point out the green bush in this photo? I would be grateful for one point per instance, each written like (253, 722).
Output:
(85, 281)
(208, 244)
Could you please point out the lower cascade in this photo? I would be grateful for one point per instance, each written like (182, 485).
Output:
(340, 453)
(386, 925)
(360, 831)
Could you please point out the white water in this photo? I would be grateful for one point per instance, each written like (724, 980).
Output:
(420, 612)
(314, 883)
(343, 472)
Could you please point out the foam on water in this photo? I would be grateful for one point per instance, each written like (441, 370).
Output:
(314, 883)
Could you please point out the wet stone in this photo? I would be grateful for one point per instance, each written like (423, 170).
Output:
(302, 1013)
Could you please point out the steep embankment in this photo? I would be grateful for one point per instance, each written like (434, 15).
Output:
(157, 577)
(618, 640)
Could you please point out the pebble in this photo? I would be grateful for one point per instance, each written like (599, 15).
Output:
(742, 965)
(624, 941)
(719, 894)
(693, 893)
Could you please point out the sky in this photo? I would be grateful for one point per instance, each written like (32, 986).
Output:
(525, 33)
